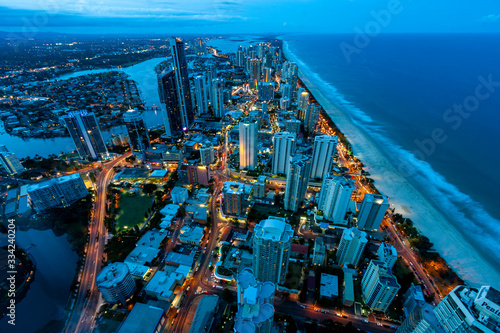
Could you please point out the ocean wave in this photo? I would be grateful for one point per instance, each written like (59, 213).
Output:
(463, 214)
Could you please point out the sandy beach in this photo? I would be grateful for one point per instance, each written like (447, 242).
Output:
(404, 193)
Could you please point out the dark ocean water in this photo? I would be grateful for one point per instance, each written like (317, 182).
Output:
(431, 103)
(406, 83)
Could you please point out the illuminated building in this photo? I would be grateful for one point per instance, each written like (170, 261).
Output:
(297, 180)
(84, 130)
(272, 241)
(324, 150)
(351, 246)
(115, 283)
(334, 198)
(249, 132)
(283, 147)
(372, 211)
(137, 131)
(182, 82)
(379, 286)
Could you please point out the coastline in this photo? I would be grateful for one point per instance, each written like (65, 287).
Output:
(404, 193)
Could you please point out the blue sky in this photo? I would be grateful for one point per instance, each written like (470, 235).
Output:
(242, 16)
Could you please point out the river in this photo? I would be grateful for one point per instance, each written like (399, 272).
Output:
(48, 294)
(145, 78)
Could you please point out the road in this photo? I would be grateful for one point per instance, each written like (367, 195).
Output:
(197, 279)
(308, 313)
(86, 305)
(402, 247)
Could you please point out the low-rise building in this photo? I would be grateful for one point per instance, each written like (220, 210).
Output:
(145, 319)
(329, 286)
(179, 195)
(192, 234)
(163, 284)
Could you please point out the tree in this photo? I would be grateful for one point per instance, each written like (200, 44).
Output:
(227, 295)
(149, 188)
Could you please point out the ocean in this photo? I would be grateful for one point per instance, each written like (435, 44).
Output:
(429, 105)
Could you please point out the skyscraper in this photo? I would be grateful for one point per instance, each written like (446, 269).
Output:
(266, 91)
(249, 132)
(268, 74)
(286, 91)
(379, 286)
(372, 211)
(182, 82)
(292, 125)
(466, 310)
(9, 162)
(240, 58)
(255, 304)
(297, 180)
(84, 130)
(207, 155)
(272, 241)
(137, 131)
(255, 72)
(201, 94)
(351, 246)
(334, 198)
(303, 100)
(324, 150)
(283, 147)
(218, 97)
(168, 97)
(311, 118)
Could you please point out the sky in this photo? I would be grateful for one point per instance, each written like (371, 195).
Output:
(255, 16)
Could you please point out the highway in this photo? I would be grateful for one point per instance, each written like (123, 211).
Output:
(87, 300)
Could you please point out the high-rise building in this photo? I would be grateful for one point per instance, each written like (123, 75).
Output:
(292, 125)
(303, 100)
(311, 117)
(240, 58)
(249, 133)
(115, 283)
(233, 197)
(182, 82)
(217, 101)
(286, 91)
(9, 162)
(268, 74)
(57, 192)
(266, 91)
(272, 241)
(421, 320)
(324, 150)
(372, 211)
(211, 74)
(255, 72)
(255, 304)
(201, 94)
(207, 155)
(378, 286)
(351, 246)
(467, 310)
(413, 300)
(285, 103)
(167, 90)
(387, 254)
(259, 188)
(297, 180)
(137, 131)
(84, 130)
(283, 148)
(334, 198)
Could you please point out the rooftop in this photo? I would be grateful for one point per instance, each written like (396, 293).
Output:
(142, 319)
(112, 274)
(329, 286)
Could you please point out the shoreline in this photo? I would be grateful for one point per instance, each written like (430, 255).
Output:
(404, 194)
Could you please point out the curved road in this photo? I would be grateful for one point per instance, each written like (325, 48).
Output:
(87, 301)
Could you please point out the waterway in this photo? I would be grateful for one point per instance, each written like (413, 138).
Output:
(48, 294)
(145, 78)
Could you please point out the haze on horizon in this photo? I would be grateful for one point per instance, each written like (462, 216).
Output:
(238, 16)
